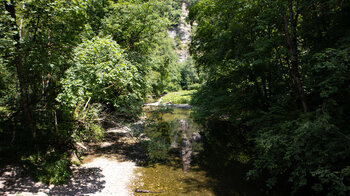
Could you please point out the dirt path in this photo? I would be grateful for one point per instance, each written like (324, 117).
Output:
(108, 170)
(117, 175)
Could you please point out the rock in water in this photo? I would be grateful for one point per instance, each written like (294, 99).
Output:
(196, 137)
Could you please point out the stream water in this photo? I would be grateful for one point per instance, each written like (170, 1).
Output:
(169, 178)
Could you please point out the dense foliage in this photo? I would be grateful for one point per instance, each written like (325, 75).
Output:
(68, 65)
(277, 85)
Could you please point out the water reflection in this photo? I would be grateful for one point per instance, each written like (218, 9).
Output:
(168, 176)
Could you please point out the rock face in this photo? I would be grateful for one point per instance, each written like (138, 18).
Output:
(184, 32)
(185, 28)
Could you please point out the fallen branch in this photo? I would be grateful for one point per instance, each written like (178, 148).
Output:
(81, 145)
(146, 191)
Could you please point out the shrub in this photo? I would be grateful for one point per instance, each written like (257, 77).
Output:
(49, 168)
(101, 74)
(310, 152)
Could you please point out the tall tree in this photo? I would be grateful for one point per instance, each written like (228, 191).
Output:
(271, 87)
(21, 72)
(290, 30)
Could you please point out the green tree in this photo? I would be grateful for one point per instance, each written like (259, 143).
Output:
(100, 73)
(38, 40)
(140, 27)
(264, 61)
(189, 75)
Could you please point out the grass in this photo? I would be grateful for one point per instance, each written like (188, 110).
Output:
(180, 97)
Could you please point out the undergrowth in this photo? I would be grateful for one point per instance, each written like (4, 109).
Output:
(49, 168)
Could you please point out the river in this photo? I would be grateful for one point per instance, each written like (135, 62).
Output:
(168, 177)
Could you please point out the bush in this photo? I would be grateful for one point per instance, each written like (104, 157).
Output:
(310, 152)
(101, 74)
(49, 168)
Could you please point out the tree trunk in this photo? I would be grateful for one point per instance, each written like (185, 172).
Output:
(292, 44)
(23, 84)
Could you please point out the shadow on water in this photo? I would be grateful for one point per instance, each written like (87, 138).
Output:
(84, 181)
(232, 181)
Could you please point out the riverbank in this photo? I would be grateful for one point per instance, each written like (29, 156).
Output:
(108, 169)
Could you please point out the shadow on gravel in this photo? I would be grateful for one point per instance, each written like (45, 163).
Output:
(122, 147)
(84, 181)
